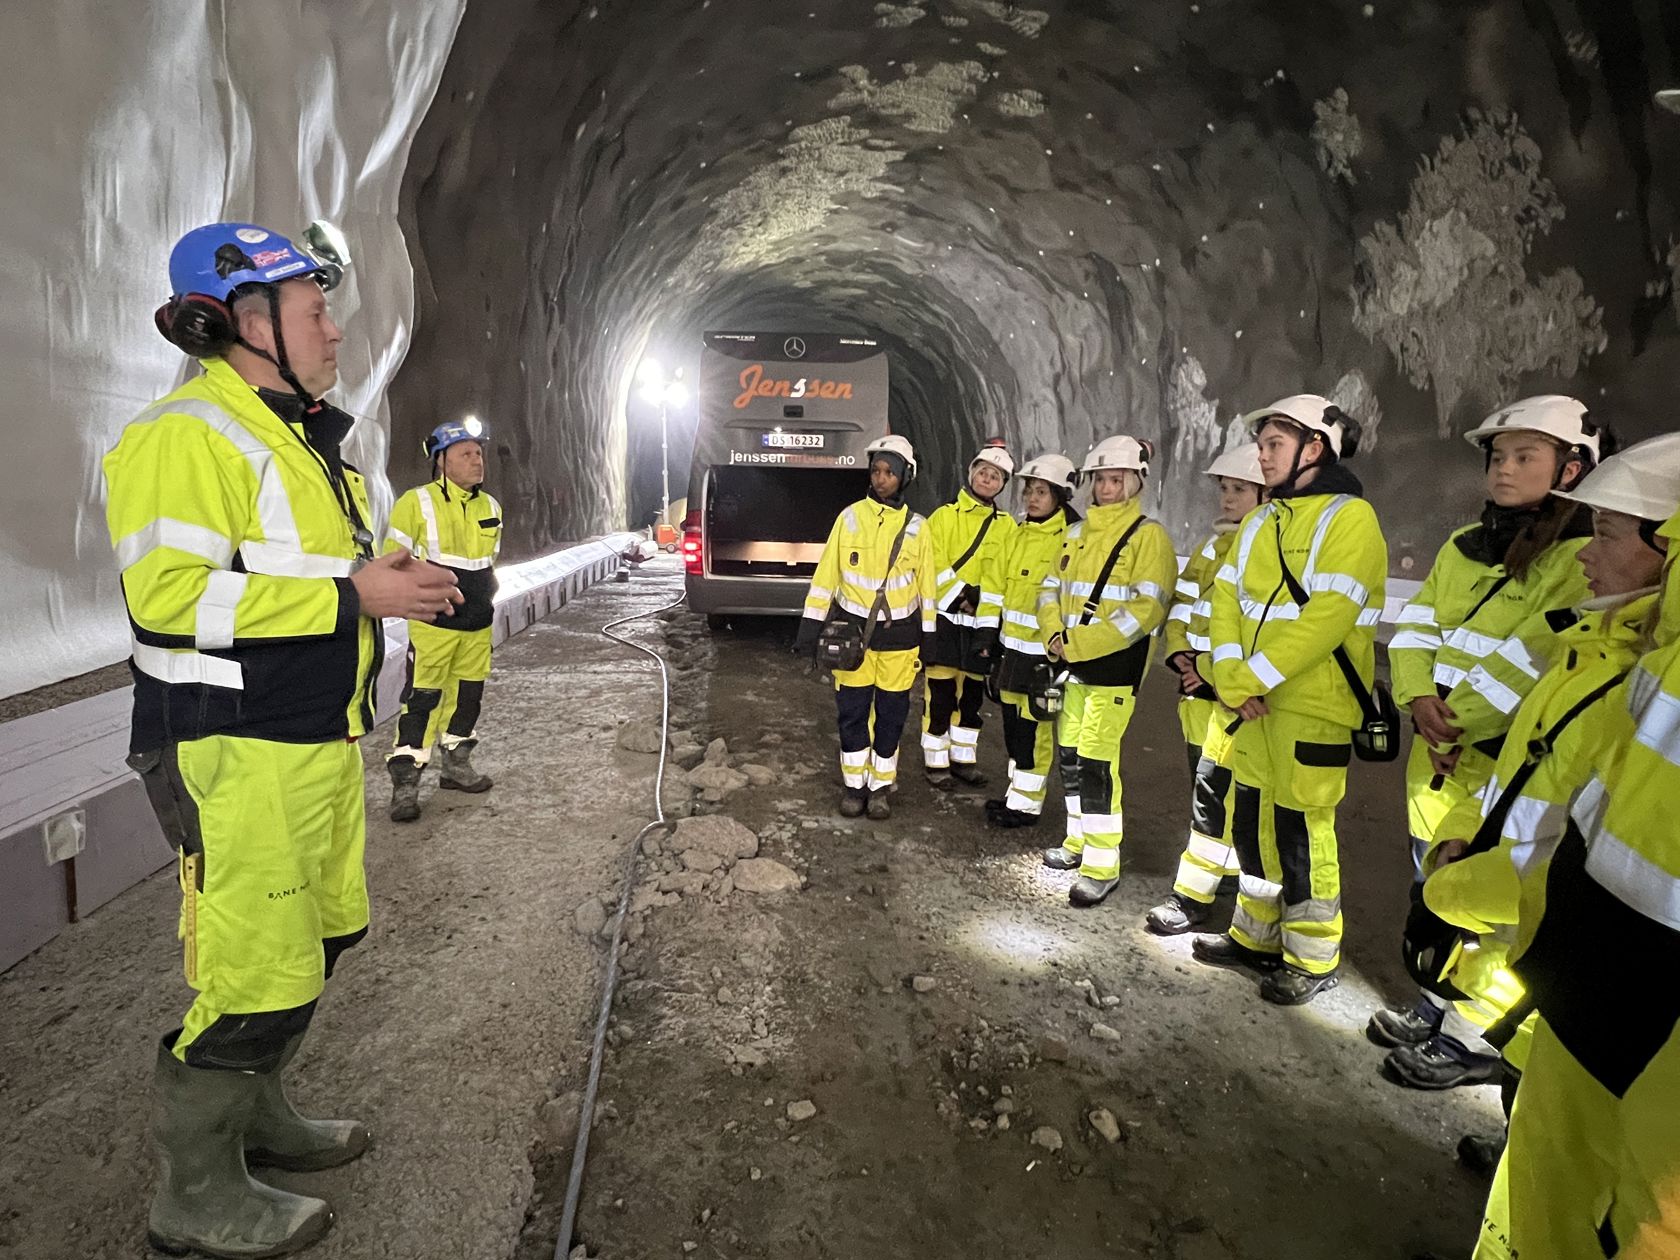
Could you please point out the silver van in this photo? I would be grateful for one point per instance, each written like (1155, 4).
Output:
(778, 454)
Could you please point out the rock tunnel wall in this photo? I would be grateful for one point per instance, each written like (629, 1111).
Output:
(1064, 220)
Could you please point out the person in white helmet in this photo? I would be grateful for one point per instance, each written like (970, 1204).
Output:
(1098, 612)
(1578, 856)
(1304, 584)
(1463, 657)
(1024, 670)
(967, 536)
(1208, 860)
(876, 575)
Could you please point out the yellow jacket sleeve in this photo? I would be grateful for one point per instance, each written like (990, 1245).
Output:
(1146, 576)
(1417, 637)
(1196, 577)
(927, 581)
(406, 530)
(820, 598)
(177, 507)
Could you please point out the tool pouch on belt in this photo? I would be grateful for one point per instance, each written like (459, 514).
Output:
(1429, 946)
(177, 812)
(843, 643)
(1377, 737)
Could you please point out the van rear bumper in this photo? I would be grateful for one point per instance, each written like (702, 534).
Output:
(747, 596)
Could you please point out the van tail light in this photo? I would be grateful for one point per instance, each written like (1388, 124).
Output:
(694, 560)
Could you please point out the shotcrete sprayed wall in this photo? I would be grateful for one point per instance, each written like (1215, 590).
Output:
(1065, 220)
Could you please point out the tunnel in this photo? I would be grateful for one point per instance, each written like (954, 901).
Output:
(1059, 221)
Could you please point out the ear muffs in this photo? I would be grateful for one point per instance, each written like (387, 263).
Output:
(1351, 432)
(197, 324)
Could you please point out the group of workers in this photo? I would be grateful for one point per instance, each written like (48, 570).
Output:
(255, 598)
(1539, 663)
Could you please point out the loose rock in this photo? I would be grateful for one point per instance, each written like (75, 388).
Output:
(1102, 1032)
(640, 736)
(757, 775)
(765, 875)
(589, 917)
(923, 984)
(558, 1120)
(1052, 1049)
(685, 882)
(717, 753)
(1103, 1121)
(1047, 1137)
(715, 840)
(720, 778)
(1003, 1106)
(804, 1109)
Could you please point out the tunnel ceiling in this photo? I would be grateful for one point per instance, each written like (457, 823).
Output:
(1064, 221)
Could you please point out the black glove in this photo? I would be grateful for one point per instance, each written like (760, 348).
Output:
(1172, 662)
(929, 638)
(805, 641)
(984, 644)
(970, 596)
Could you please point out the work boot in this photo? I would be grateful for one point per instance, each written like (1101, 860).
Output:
(1061, 859)
(277, 1137)
(458, 773)
(1392, 1026)
(405, 788)
(969, 773)
(1011, 818)
(939, 777)
(206, 1203)
(1176, 915)
(1480, 1155)
(1290, 986)
(1090, 892)
(995, 803)
(853, 801)
(1220, 950)
(880, 807)
(1441, 1063)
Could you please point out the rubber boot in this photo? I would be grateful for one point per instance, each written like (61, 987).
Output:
(1062, 859)
(206, 1203)
(458, 774)
(969, 773)
(405, 788)
(939, 778)
(1176, 915)
(1010, 819)
(277, 1137)
(1091, 892)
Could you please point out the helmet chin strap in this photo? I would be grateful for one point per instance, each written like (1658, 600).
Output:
(281, 363)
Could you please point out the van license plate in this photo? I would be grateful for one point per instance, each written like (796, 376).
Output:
(794, 441)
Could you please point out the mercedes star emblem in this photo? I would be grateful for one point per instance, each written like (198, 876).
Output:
(794, 348)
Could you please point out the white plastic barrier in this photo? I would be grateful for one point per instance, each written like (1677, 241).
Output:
(75, 828)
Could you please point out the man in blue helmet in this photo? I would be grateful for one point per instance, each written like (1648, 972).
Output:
(254, 603)
(450, 521)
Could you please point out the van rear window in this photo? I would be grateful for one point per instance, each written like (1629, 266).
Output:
(780, 504)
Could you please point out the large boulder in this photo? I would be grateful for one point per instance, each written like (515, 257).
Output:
(722, 778)
(765, 875)
(711, 841)
(641, 736)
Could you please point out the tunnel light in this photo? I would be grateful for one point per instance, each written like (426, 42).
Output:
(650, 373)
(676, 394)
(1669, 99)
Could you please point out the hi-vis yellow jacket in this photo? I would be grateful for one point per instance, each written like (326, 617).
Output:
(1192, 602)
(1462, 639)
(461, 529)
(952, 529)
(1014, 584)
(853, 569)
(1482, 893)
(235, 539)
(1264, 643)
(1111, 648)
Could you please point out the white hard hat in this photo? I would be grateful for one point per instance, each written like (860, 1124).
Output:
(1316, 414)
(1055, 469)
(1120, 452)
(899, 446)
(1555, 415)
(997, 455)
(1642, 481)
(1240, 463)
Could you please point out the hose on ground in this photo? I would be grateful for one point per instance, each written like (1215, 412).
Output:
(586, 1116)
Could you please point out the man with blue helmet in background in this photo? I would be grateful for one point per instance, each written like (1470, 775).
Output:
(450, 521)
(254, 601)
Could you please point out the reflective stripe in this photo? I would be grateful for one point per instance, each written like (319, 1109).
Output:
(1414, 639)
(1449, 676)
(1216, 852)
(1015, 618)
(1026, 647)
(990, 599)
(1258, 888)
(1202, 608)
(964, 737)
(1102, 824)
(947, 579)
(1587, 809)
(1514, 652)
(883, 771)
(1187, 588)
(195, 540)
(1659, 727)
(1126, 624)
(934, 743)
(187, 666)
(1226, 574)
(428, 510)
(1119, 594)
(1227, 652)
(1014, 799)
(862, 610)
(401, 538)
(462, 562)
(1472, 644)
(1027, 782)
(1200, 642)
(850, 517)
(1315, 910)
(290, 562)
(1338, 584)
(1416, 615)
(1308, 947)
(819, 592)
(1493, 691)
(1180, 613)
(1148, 590)
(1634, 878)
(1264, 670)
(1370, 617)
(874, 584)
(217, 609)
(1209, 552)
(1255, 610)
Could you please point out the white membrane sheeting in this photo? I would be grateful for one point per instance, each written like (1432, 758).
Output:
(128, 124)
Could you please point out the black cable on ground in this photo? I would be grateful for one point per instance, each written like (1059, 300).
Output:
(586, 1117)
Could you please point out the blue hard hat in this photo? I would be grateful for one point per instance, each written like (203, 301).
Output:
(450, 432)
(219, 257)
